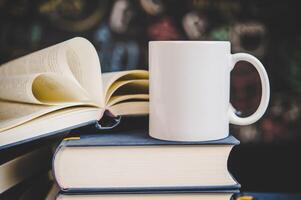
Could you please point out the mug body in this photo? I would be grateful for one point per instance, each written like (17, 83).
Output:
(189, 90)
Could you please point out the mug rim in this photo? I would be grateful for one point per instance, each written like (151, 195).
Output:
(189, 41)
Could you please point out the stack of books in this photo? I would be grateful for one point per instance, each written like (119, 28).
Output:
(132, 165)
(24, 169)
(60, 88)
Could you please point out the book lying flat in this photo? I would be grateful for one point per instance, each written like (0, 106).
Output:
(62, 87)
(179, 195)
(132, 161)
(24, 167)
(54, 193)
(34, 188)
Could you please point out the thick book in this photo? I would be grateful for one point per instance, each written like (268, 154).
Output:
(133, 161)
(54, 193)
(62, 87)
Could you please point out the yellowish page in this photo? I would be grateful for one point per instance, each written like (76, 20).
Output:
(47, 88)
(130, 108)
(126, 87)
(84, 64)
(126, 92)
(13, 114)
(134, 97)
(54, 89)
(58, 120)
(18, 88)
(75, 58)
(77, 77)
(50, 59)
(111, 77)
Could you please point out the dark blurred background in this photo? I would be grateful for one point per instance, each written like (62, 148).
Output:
(268, 157)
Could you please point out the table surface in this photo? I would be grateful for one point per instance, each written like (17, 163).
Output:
(273, 196)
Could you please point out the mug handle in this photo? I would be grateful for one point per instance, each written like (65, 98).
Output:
(265, 90)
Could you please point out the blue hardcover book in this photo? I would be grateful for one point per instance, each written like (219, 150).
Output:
(152, 195)
(134, 162)
(55, 193)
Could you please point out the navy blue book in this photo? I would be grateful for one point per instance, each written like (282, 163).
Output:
(134, 162)
(55, 193)
(153, 195)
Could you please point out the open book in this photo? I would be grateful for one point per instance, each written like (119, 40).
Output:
(61, 87)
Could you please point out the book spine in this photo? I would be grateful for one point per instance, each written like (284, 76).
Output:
(61, 145)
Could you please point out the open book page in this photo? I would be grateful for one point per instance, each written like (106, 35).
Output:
(18, 88)
(56, 89)
(46, 60)
(122, 98)
(125, 86)
(60, 76)
(130, 108)
(84, 64)
(75, 58)
(127, 92)
(58, 120)
(13, 114)
(109, 78)
(47, 88)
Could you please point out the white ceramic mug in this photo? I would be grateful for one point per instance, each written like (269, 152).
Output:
(190, 89)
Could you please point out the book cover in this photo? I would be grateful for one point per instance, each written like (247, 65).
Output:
(138, 140)
(135, 138)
